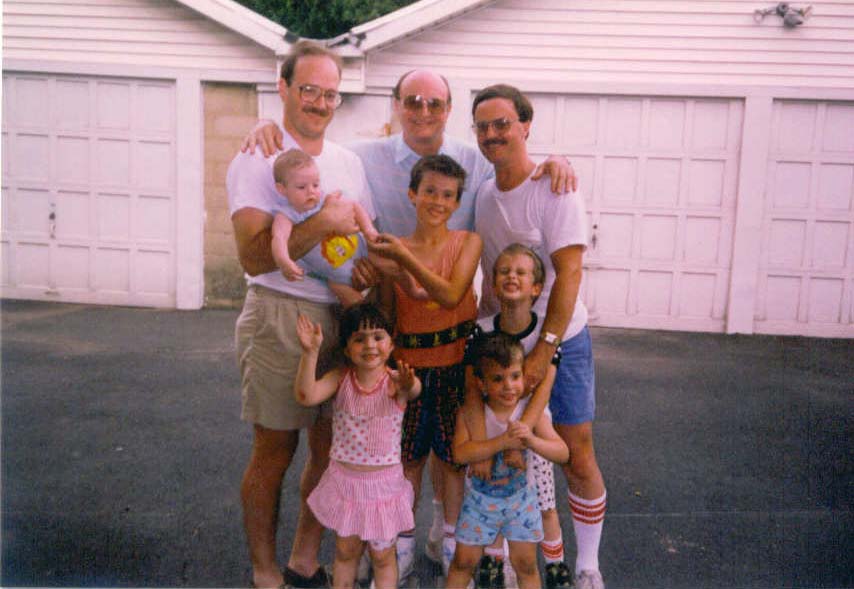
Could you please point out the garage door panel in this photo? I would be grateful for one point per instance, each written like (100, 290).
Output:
(667, 124)
(578, 123)
(710, 125)
(31, 157)
(88, 184)
(806, 270)
(74, 112)
(697, 295)
(153, 165)
(114, 105)
(73, 215)
(836, 187)
(619, 180)
(611, 290)
(662, 182)
(623, 124)
(838, 128)
(72, 160)
(658, 237)
(654, 292)
(703, 240)
(31, 106)
(32, 267)
(112, 166)
(707, 179)
(72, 268)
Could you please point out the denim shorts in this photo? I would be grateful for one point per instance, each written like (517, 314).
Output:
(573, 399)
(516, 517)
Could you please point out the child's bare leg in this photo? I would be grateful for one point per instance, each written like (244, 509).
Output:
(281, 234)
(551, 525)
(346, 294)
(462, 566)
(523, 556)
(348, 550)
(384, 561)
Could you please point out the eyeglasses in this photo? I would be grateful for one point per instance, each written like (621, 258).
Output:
(416, 103)
(501, 126)
(310, 93)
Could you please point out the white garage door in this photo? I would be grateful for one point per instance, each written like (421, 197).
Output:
(806, 273)
(660, 175)
(88, 190)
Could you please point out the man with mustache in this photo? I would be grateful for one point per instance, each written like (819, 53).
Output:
(513, 209)
(267, 345)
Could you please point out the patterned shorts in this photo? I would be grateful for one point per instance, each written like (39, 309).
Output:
(430, 420)
(516, 517)
(544, 476)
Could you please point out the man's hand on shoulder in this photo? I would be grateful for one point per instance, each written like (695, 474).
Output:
(558, 168)
(338, 214)
(266, 135)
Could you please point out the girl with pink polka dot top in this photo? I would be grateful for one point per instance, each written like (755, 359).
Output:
(363, 495)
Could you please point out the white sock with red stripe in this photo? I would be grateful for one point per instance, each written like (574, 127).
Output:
(587, 518)
(552, 550)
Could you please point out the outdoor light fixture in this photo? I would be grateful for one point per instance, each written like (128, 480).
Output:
(792, 17)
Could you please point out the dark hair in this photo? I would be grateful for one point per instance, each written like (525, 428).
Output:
(498, 347)
(441, 164)
(518, 249)
(359, 316)
(305, 49)
(292, 159)
(396, 90)
(523, 106)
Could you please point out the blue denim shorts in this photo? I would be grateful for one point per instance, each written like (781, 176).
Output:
(573, 399)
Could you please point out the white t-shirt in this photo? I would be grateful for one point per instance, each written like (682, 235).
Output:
(250, 183)
(532, 215)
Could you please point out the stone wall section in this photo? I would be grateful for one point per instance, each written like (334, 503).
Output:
(230, 110)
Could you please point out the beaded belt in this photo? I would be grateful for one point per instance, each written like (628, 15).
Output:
(433, 339)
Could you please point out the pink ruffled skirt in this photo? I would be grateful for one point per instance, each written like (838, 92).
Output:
(373, 505)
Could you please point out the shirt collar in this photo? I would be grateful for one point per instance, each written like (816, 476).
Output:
(403, 152)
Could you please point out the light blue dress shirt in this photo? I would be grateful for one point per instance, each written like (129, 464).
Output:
(388, 163)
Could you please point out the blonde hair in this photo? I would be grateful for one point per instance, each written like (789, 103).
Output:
(292, 159)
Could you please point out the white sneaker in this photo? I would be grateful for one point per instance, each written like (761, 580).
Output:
(589, 580)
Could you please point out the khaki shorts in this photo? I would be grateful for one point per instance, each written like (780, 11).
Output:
(268, 352)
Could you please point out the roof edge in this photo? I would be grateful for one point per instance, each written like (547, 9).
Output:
(244, 21)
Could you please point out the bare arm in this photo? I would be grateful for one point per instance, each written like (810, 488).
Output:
(447, 293)
(540, 398)
(546, 442)
(467, 450)
(558, 168)
(307, 389)
(472, 411)
(567, 263)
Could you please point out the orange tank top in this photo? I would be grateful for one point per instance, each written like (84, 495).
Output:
(428, 316)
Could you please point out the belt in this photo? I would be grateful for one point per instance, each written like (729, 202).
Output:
(433, 339)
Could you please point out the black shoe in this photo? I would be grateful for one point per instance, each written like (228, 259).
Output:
(319, 580)
(558, 576)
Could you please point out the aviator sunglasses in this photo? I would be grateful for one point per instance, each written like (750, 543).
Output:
(416, 103)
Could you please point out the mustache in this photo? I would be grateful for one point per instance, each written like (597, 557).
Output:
(317, 111)
(491, 142)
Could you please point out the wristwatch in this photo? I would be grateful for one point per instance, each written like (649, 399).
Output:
(550, 338)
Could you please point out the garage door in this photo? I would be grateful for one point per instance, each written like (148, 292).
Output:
(660, 175)
(806, 274)
(88, 190)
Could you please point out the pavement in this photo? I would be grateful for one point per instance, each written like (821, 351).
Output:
(729, 460)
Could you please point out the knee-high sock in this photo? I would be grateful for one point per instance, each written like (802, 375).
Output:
(588, 516)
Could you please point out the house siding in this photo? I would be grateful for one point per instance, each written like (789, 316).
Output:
(672, 41)
(157, 33)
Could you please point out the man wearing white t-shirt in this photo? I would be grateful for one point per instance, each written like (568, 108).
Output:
(511, 208)
(267, 347)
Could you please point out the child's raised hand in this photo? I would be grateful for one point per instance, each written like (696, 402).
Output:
(403, 378)
(309, 333)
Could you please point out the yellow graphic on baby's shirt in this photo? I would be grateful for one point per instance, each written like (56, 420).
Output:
(337, 249)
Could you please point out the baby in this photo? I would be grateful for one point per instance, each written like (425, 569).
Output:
(298, 181)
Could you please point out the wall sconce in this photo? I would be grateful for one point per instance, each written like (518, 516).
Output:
(792, 17)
